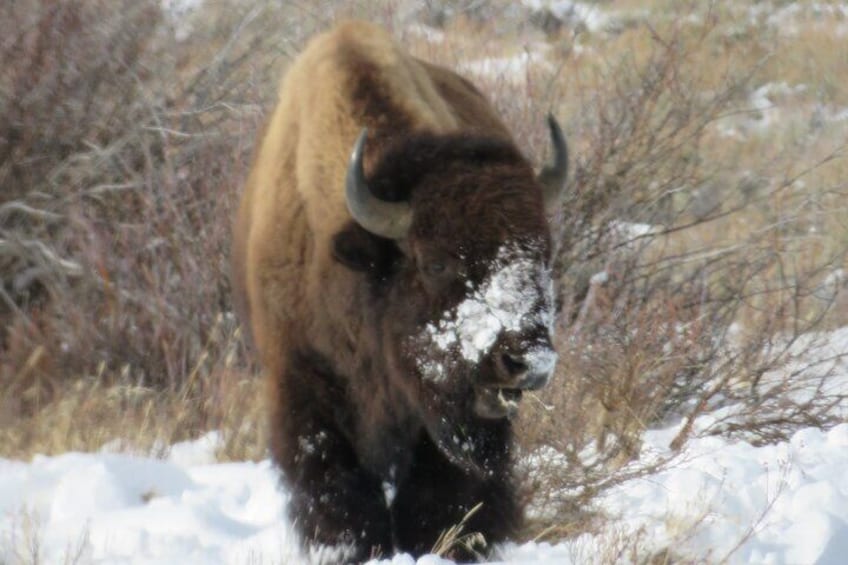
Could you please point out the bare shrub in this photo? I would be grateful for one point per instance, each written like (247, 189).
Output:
(121, 151)
(683, 292)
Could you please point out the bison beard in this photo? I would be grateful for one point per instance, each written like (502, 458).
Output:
(400, 300)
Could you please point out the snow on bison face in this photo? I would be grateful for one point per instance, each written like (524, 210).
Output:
(498, 335)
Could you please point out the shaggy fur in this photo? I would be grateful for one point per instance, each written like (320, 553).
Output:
(331, 307)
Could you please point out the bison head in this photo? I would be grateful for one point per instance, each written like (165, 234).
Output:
(464, 305)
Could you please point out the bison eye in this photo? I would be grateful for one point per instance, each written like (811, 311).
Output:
(435, 268)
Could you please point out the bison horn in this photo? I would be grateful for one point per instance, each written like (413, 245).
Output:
(386, 219)
(552, 177)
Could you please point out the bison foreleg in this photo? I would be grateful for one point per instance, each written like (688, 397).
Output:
(337, 507)
(437, 495)
(339, 510)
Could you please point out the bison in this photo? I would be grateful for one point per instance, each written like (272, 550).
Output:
(392, 268)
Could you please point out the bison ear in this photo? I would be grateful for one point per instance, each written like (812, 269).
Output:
(359, 250)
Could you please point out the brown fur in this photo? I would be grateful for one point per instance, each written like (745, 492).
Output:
(330, 307)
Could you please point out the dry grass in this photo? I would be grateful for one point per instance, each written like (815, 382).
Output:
(23, 544)
(125, 136)
(458, 538)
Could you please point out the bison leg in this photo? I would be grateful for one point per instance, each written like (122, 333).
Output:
(337, 507)
(437, 495)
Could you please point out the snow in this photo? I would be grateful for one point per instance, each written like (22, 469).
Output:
(429, 33)
(517, 294)
(179, 8)
(786, 18)
(590, 16)
(624, 231)
(130, 509)
(177, 13)
(765, 109)
(599, 278)
(762, 98)
(783, 503)
(512, 69)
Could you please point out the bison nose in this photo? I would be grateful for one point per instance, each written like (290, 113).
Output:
(535, 381)
(529, 370)
(514, 364)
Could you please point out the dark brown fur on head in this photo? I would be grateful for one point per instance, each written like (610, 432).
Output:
(466, 191)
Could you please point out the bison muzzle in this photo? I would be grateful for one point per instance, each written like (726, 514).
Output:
(391, 265)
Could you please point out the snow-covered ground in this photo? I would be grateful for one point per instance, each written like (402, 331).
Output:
(783, 503)
(717, 500)
(585, 13)
(729, 501)
(117, 508)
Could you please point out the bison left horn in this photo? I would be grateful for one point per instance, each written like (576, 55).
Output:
(386, 219)
(552, 177)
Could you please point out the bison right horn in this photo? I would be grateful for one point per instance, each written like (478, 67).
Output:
(386, 219)
(552, 177)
